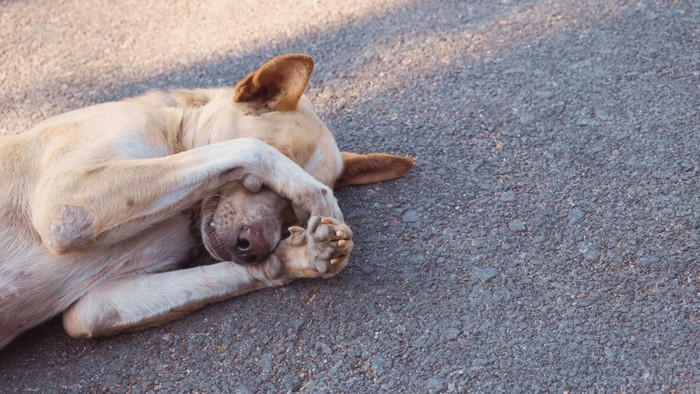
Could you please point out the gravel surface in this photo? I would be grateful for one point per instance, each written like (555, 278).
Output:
(547, 241)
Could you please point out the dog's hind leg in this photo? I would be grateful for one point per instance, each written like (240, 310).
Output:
(144, 300)
(115, 200)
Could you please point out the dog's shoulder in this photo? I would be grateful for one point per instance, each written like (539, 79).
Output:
(155, 99)
(180, 98)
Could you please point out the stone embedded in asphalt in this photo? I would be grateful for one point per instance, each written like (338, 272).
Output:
(609, 354)
(410, 216)
(614, 257)
(587, 122)
(475, 166)
(450, 333)
(544, 94)
(298, 324)
(527, 119)
(517, 226)
(602, 114)
(478, 242)
(382, 364)
(111, 379)
(649, 260)
(266, 364)
(591, 255)
(435, 385)
(538, 239)
(583, 303)
(508, 196)
(323, 347)
(483, 274)
(575, 214)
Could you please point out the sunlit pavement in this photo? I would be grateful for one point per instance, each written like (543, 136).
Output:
(547, 241)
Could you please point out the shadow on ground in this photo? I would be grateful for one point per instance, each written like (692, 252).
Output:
(546, 241)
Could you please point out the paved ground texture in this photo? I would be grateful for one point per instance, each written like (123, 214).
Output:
(547, 241)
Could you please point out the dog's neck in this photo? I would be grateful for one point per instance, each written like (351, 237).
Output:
(200, 116)
(189, 135)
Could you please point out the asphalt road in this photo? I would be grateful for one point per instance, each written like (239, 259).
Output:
(547, 241)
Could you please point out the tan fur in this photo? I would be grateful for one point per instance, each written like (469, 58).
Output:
(375, 167)
(98, 204)
(278, 84)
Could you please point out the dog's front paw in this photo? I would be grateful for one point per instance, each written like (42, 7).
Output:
(328, 244)
(317, 201)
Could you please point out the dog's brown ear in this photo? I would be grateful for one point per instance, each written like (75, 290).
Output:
(278, 84)
(374, 167)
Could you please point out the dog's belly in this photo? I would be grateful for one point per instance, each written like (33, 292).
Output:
(36, 285)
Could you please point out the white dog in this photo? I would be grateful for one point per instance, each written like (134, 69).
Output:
(101, 208)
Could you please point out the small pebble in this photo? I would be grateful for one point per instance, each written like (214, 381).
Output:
(410, 216)
(508, 196)
(434, 385)
(649, 260)
(517, 226)
(591, 255)
(475, 166)
(450, 333)
(575, 214)
(483, 275)
(527, 119)
(615, 257)
(381, 364)
(602, 114)
(587, 122)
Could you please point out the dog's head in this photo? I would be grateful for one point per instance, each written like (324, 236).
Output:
(244, 223)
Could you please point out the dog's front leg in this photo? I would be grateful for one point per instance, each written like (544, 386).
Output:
(111, 201)
(139, 301)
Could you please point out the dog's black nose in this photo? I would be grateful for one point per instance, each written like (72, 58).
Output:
(250, 246)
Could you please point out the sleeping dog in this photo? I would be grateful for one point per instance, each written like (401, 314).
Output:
(103, 208)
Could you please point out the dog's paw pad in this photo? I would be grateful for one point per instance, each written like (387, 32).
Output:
(320, 250)
(329, 245)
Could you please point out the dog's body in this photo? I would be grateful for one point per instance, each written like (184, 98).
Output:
(101, 207)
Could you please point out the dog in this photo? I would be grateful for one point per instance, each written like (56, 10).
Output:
(104, 209)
